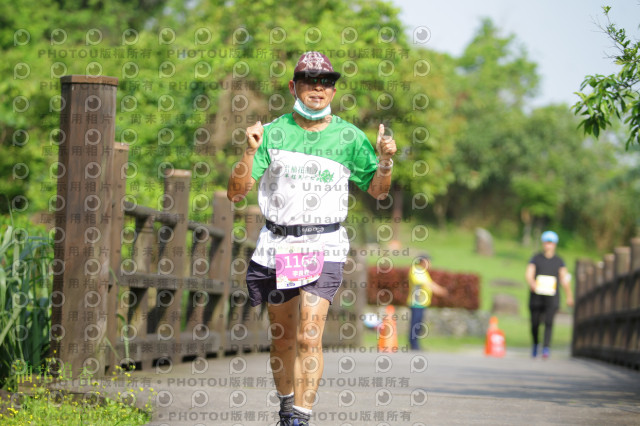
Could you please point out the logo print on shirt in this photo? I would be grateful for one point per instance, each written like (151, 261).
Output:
(326, 176)
(308, 173)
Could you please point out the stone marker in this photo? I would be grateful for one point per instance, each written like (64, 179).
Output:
(505, 304)
(484, 242)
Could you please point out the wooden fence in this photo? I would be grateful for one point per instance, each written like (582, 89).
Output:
(180, 294)
(607, 310)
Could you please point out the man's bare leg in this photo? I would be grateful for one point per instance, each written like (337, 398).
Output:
(309, 362)
(284, 320)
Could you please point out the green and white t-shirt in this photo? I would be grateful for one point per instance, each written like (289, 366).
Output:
(303, 179)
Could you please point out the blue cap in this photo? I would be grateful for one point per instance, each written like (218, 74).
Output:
(549, 236)
(423, 255)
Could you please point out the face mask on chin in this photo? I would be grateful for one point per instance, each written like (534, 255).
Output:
(308, 113)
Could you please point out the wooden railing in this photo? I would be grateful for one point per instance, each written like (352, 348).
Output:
(111, 309)
(607, 310)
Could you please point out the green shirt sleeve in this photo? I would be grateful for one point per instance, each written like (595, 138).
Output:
(364, 165)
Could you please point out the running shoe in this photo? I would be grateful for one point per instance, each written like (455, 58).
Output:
(285, 419)
(545, 352)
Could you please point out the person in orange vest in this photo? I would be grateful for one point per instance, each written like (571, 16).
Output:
(421, 289)
(544, 272)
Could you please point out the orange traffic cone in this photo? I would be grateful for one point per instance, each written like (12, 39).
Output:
(387, 336)
(495, 344)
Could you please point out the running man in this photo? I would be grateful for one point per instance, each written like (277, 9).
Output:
(303, 162)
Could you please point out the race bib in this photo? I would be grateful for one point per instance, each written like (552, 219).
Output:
(546, 285)
(298, 264)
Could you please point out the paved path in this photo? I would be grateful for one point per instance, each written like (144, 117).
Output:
(406, 388)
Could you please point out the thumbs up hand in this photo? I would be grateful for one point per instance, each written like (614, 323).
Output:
(254, 136)
(385, 144)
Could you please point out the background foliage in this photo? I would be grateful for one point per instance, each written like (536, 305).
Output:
(615, 94)
(194, 74)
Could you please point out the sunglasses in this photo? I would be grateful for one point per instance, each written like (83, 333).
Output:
(323, 81)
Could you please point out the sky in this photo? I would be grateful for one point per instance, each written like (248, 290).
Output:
(561, 36)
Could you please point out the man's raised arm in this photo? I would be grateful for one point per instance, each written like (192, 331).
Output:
(240, 181)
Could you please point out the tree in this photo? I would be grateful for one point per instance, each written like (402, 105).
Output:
(39, 41)
(216, 53)
(613, 94)
(553, 172)
(495, 79)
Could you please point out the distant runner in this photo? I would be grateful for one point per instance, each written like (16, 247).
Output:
(304, 161)
(545, 271)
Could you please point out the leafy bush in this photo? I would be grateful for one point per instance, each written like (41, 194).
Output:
(25, 288)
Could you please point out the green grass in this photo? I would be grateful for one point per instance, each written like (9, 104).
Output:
(41, 406)
(39, 401)
(42, 410)
(453, 250)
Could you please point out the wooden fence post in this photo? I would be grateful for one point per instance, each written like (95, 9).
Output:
(359, 279)
(635, 254)
(579, 279)
(634, 297)
(220, 268)
(119, 187)
(83, 223)
(591, 284)
(609, 267)
(622, 261)
(599, 273)
(254, 318)
(609, 275)
(197, 300)
(622, 266)
(140, 308)
(580, 305)
(173, 261)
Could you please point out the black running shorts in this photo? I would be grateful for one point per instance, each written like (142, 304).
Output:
(261, 284)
